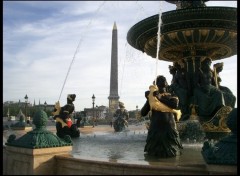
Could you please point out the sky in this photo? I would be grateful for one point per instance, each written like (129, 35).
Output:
(55, 48)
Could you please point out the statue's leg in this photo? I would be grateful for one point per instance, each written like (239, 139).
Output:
(74, 131)
(60, 130)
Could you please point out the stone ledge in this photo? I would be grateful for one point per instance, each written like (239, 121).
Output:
(41, 151)
(21, 128)
(71, 166)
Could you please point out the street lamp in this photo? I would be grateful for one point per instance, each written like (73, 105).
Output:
(137, 113)
(96, 113)
(93, 99)
(45, 105)
(26, 101)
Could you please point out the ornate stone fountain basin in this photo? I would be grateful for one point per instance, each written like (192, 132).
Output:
(204, 31)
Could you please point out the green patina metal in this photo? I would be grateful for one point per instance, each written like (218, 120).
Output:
(39, 137)
(225, 151)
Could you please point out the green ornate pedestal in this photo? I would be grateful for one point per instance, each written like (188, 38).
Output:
(39, 137)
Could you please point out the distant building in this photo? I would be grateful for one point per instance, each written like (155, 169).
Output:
(100, 112)
(19, 104)
(22, 105)
(48, 107)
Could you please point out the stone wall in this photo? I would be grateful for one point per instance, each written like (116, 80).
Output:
(74, 166)
(25, 161)
(56, 161)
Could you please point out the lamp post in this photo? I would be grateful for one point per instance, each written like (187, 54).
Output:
(93, 100)
(26, 101)
(96, 114)
(137, 112)
(45, 105)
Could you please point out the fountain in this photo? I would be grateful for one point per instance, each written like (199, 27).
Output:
(21, 124)
(192, 36)
(184, 36)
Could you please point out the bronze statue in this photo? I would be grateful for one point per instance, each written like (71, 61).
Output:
(229, 98)
(208, 98)
(163, 137)
(179, 87)
(62, 115)
(172, 71)
(120, 118)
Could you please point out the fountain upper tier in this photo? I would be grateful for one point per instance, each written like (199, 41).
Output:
(191, 32)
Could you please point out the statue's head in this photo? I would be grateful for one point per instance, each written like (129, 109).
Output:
(121, 105)
(172, 69)
(207, 61)
(161, 81)
(218, 66)
(71, 97)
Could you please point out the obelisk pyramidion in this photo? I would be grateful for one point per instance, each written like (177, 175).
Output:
(113, 97)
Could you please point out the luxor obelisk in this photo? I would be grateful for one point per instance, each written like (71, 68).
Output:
(114, 97)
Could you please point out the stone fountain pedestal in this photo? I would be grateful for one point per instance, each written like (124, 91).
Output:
(24, 161)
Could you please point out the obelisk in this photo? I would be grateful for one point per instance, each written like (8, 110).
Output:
(113, 97)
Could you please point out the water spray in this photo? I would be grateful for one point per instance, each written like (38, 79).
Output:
(158, 40)
(78, 47)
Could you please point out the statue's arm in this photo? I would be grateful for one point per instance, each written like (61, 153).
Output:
(146, 94)
(116, 113)
(170, 101)
(145, 109)
(165, 103)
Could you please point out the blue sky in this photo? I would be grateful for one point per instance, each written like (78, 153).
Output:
(40, 39)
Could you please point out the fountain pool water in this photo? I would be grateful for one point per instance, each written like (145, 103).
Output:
(103, 144)
(128, 147)
(100, 150)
